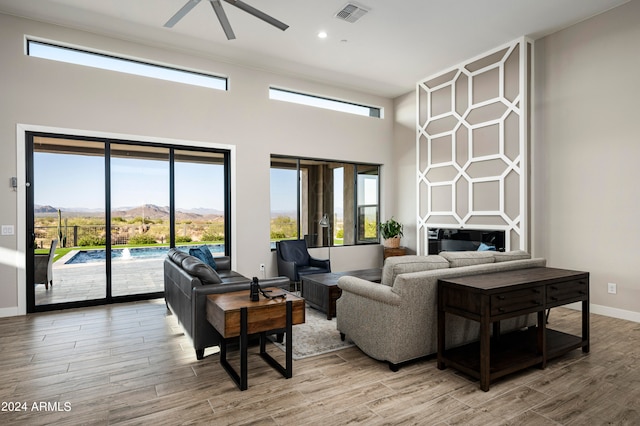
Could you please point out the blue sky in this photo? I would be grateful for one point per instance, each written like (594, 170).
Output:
(77, 181)
(63, 180)
(283, 190)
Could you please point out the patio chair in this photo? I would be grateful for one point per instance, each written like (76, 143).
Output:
(43, 266)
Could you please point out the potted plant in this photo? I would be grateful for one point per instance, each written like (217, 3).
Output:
(391, 231)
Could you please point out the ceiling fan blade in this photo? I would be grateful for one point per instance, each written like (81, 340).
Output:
(180, 14)
(222, 17)
(258, 14)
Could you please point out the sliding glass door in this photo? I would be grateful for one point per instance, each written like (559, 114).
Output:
(111, 210)
(201, 200)
(139, 194)
(68, 210)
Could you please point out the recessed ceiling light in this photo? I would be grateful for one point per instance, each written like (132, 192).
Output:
(322, 34)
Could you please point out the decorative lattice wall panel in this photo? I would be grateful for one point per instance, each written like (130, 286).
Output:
(472, 143)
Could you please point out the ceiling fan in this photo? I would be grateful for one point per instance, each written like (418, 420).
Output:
(222, 17)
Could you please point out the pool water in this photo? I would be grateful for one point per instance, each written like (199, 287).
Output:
(93, 256)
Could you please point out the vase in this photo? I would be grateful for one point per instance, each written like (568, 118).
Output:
(392, 242)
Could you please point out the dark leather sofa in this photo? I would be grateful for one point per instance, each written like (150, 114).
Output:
(188, 281)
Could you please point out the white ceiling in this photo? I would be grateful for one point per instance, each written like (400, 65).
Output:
(385, 53)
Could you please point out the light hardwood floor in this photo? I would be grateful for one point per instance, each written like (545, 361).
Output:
(131, 364)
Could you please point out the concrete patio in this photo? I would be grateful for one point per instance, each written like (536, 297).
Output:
(72, 283)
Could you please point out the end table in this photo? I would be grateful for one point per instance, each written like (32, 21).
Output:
(389, 252)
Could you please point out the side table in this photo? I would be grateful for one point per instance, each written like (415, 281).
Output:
(398, 251)
(234, 314)
(321, 291)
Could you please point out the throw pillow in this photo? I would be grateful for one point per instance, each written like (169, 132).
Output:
(458, 259)
(486, 247)
(203, 253)
(194, 266)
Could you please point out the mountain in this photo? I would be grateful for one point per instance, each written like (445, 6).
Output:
(203, 211)
(285, 213)
(44, 209)
(149, 211)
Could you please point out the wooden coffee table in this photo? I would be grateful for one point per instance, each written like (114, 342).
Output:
(321, 290)
(234, 314)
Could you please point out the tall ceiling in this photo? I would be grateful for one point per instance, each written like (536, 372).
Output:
(388, 50)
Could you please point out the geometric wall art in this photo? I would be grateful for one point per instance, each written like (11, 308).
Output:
(472, 146)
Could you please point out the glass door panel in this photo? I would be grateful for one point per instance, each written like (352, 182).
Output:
(200, 201)
(337, 231)
(140, 218)
(367, 203)
(68, 211)
(285, 186)
(316, 183)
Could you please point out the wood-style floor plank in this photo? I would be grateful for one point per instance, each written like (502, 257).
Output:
(130, 364)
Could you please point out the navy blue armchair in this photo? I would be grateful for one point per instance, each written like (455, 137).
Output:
(294, 260)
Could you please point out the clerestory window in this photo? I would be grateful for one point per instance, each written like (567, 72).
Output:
(110, 62)
(322, 102)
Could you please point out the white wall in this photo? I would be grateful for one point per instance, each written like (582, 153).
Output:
(584, 202)
(585, 174)
(404, 195)
(47, 93)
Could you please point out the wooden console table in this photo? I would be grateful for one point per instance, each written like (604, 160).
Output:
(234, 314)
(489, 298)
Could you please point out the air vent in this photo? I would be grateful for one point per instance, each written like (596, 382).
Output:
(351, 12)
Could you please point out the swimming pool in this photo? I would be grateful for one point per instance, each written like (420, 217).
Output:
(93, 256)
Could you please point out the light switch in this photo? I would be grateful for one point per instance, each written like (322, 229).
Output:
(7, 229)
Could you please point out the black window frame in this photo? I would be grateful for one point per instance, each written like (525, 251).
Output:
(108, 142)
(355, 219)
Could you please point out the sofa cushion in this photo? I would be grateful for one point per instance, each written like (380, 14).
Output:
(396, 265)
(194, 266)
(203, 253)
(223, 263)
(177, 256)
(511, 255)
(458, 259)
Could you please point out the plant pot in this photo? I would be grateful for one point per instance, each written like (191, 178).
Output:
(392, 242)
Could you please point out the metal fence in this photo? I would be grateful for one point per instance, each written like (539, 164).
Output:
(95, 235)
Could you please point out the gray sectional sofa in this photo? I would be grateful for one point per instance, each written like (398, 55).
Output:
(188, 281)
(396, 320)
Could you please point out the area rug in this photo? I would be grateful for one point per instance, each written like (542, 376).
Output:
(316, 336)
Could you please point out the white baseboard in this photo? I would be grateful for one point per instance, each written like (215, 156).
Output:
(9, 312)
(608, 311)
